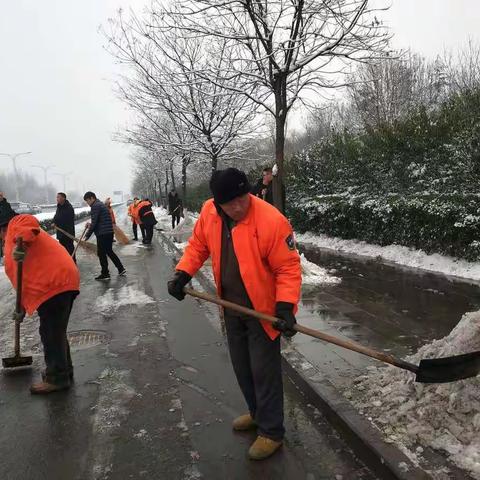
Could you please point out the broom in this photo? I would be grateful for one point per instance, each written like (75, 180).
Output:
(88, 247)
(120, 235)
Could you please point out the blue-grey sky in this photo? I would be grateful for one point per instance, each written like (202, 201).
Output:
(56, 80)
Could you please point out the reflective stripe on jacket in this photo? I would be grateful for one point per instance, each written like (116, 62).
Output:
(48, 268)
(263, 243)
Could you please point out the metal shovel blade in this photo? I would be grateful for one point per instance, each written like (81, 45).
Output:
(449, 369)
(14, 362)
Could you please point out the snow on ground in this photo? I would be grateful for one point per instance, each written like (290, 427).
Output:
(441, 416)
(49, 215)
(312, 274)
(127, 295)
(397, 254)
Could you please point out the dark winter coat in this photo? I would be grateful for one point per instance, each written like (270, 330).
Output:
(101, 221)
(5, 209)
(259, 187)
(146, 214)
(65, 219)
(175, 206)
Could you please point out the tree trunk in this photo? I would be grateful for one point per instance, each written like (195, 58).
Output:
(171, 173)
(160, 193)
(280, 121)
(185, 161)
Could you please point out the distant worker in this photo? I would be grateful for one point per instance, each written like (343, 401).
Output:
(175, 207)
(101, 224)
(147, 219)
(132, 213)
(263, 188)
(65, 219)
(51, 283)
(108, 204)
(5, 209)
(255, 264)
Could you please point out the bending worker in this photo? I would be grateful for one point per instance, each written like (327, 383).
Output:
(51, 282)
(255, 264)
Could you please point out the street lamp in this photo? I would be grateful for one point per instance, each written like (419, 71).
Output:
(45, 170)
(64, 176)
(13, 158)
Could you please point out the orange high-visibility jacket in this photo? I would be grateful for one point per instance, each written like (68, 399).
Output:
(112, 214)
(263, 242)
(131, 212)
(48, 268)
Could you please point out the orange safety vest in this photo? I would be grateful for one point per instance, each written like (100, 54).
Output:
(48, 268)
(131, 210)
(263, 242)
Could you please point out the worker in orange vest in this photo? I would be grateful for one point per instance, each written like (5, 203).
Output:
(255, 264)
(133, 214)
(51, 282)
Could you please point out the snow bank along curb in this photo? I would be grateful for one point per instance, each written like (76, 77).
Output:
(385, 459)
(441, 416)
(397, 254)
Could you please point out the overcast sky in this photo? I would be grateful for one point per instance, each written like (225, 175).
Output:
(56, 80)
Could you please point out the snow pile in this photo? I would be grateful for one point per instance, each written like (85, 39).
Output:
(442, 416)
(127, 295)
(49, 215)
(313, 274)
(397, 254)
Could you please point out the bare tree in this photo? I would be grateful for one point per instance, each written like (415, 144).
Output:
(166, 80)
(283, 49)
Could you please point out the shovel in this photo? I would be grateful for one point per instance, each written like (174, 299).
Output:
(18, 360)
(436, 370)
(80, 241)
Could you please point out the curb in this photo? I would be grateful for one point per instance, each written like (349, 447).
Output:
(383, 458)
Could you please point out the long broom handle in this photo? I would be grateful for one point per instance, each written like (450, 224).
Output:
(78, 243)
(18, 303)
(69, 235)
(350, 345)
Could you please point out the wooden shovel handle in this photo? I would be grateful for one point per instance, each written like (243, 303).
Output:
(81, 239)
(350, 345)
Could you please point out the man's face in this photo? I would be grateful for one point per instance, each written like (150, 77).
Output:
(90, 201)
(267, 177)
(60, 200)
(237, 209)
(3, 232)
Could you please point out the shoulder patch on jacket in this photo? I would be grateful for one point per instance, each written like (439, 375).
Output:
(290, 241)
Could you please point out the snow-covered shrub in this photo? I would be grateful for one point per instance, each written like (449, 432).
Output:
(47, 225)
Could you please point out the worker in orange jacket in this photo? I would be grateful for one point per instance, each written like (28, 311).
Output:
(133, 214)
(255, 264)
(108, 204)
(51, 282)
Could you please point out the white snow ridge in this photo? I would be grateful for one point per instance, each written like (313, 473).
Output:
(442, 416)
(127, 295)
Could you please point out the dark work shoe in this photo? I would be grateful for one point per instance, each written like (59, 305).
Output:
(123, 273)
(103, 277)
(70, 375)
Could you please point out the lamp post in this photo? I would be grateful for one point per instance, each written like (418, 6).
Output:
(13, 158)
(64, 176)
(45, 171)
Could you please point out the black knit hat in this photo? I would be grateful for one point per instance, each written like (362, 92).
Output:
(228, 184)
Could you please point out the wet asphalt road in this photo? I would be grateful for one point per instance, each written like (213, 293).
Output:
(155, 400)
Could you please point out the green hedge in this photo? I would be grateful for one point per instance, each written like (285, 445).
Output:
(447, 224)
(47, 225)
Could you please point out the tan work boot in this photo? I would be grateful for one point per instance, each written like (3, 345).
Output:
(244, 422)
(263, 448)
(44, 388)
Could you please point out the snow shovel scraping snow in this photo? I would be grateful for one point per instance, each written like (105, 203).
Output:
(436, 370)
(17, 360)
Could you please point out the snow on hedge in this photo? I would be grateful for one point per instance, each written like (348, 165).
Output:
(441, 416)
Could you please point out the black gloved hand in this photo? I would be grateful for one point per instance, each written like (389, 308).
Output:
(286, 318)
(176, 284)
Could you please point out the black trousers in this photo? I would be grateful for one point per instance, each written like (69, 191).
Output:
(135, 230)
(54, 315)
(148, 234)
(67, 243)
(257, 365)
(175, 218)
(142, 229)
(104, 250)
